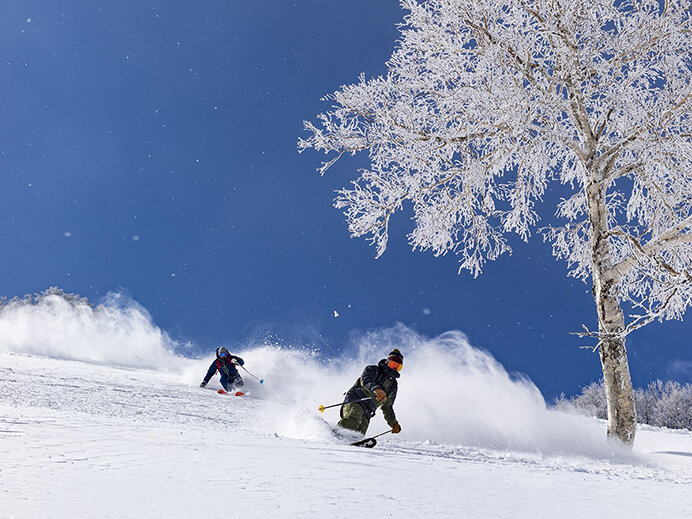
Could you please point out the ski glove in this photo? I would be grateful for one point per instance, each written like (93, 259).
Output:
(235, 361)
(396, 429)
(203, 384)
(380, 395)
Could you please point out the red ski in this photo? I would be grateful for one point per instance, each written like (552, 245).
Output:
(237, 393)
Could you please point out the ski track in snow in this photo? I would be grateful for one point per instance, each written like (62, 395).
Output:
(88, 440)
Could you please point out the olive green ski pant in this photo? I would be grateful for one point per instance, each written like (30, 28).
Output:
(353, 417)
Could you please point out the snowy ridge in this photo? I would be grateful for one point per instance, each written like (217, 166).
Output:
(119, 332)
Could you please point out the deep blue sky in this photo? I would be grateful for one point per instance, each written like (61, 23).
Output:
(150, 146)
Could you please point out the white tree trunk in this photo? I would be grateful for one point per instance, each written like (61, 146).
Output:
(616, 371)
(611, 324)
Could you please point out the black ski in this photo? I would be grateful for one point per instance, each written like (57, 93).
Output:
(368, 443)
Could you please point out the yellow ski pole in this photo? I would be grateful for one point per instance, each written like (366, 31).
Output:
(321, 408)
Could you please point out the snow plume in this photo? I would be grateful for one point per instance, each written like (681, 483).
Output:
(53, 324)
(454, 393)
(450, 393)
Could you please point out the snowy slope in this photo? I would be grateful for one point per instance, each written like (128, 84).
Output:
(82, 439)
(87, 431)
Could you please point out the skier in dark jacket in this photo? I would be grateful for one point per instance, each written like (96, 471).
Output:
(225, 364)
(379, 383)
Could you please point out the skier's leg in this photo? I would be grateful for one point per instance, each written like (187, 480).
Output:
(235, 385)
(353, 418)
(231, 384)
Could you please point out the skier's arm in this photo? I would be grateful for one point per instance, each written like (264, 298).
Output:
(388, 407)
(367, 380)
(237, 360)
(392, 394)
(388, 412)
(210, 373)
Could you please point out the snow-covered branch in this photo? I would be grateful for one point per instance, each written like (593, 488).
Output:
(679, 234)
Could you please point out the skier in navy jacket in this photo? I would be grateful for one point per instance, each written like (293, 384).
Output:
(225, 364)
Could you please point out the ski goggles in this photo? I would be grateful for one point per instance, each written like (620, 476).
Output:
(396, 366)
(223, 354)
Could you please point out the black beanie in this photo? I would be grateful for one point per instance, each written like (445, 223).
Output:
(396, 356)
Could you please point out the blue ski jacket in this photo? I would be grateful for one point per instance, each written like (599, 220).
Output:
(227, 370)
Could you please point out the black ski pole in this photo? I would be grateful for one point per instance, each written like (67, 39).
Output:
(381, 434)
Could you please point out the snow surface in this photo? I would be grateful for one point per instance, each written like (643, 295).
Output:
(83, 437)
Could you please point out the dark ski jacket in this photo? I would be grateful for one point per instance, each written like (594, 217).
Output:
(225, 367)
(376, 377)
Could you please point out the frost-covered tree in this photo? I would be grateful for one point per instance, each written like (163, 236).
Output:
(663, 404)
(673, 404)
(591, 401)
(487, 103)
(646, 403)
